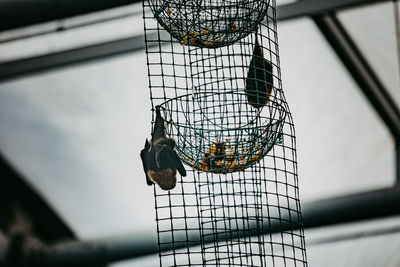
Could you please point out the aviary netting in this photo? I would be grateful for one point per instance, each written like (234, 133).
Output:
(213, 68)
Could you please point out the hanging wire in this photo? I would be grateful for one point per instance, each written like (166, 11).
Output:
(224, 106)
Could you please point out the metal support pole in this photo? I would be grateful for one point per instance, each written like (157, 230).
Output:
(352, 208)
(19, 13)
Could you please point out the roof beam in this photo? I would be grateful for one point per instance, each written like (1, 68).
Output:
(363, 206)
(17, 194)
(15, 69)
(19, 13)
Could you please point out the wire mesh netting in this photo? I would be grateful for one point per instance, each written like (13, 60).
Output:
(224, 106)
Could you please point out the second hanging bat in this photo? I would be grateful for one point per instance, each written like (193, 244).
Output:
(259, 81)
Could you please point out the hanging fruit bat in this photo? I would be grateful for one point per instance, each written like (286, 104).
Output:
(159, 158)
(259, 80)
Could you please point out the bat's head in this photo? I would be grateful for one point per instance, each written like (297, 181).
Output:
(166, 179)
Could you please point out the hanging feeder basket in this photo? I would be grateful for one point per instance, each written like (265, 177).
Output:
(209, 23)
(219, 138)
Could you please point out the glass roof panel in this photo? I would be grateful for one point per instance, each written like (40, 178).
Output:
(284, 2)
(373, 29)
(76, 134)
(364, 244)
(343, 146)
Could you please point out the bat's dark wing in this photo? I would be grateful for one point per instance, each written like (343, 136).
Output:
(179, 165)
(146, 157)
(169, 157)
(259, 79)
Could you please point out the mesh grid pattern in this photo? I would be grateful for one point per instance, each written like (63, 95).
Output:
(239, 204)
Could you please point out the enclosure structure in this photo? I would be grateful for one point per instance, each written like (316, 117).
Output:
(90, 92)
(214, 69)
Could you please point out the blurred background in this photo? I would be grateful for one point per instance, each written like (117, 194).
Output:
(75, 111)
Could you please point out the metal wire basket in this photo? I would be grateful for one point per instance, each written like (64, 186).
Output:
(214, 133)
(209, 23)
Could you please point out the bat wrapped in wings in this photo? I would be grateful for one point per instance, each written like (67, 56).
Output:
(160, 161)
(259, 82)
